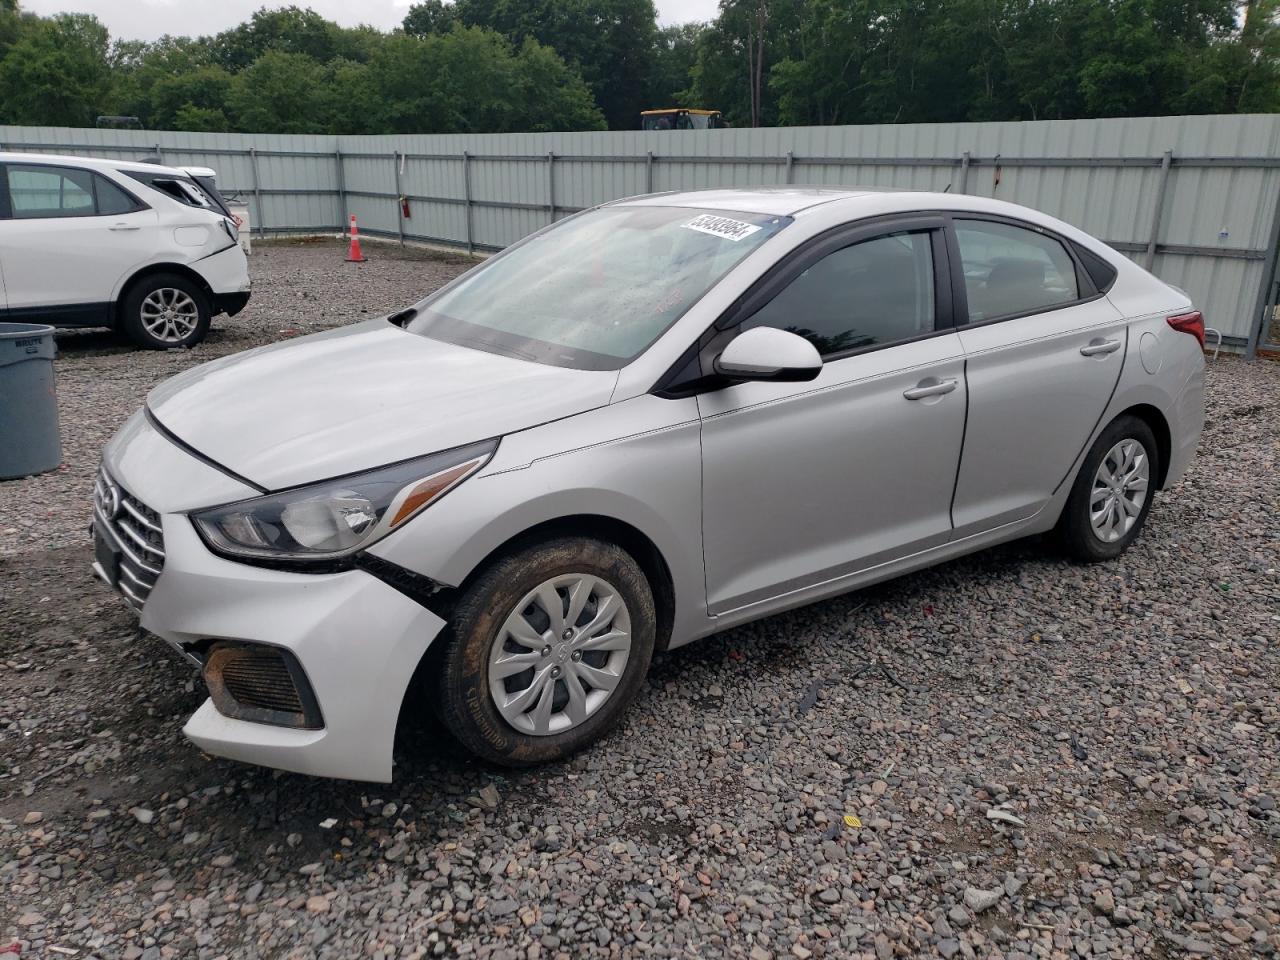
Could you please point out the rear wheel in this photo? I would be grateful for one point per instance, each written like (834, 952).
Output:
(546, 651)
(164, 311)
(1112, 494)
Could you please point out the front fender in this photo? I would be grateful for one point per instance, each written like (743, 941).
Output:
(649, 479)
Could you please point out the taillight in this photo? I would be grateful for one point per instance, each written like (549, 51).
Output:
(1192, 323)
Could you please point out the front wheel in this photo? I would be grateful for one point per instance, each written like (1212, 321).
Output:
(546, 651)
(1112, 494)
(164, 311)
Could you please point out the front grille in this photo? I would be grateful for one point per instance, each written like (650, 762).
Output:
(262, 681)
(261, 684)
(138, 533)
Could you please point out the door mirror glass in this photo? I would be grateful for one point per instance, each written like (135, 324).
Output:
(767, 353)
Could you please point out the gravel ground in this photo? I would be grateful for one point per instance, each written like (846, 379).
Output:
(1005, 756)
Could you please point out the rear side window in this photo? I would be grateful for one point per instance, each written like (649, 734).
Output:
(1010, 270)
(111, 199)
(39, 192)
(182, 189)
(36, 191)
(874, 292)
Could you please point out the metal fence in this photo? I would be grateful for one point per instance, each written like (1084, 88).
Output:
(1194, 199)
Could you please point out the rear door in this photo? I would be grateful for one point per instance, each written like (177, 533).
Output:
(70, 237)
(1043, 350)
(807, 483)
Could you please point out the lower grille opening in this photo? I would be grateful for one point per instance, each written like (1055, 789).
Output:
(261, 684)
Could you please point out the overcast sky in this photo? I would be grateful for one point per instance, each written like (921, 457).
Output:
(149, 19)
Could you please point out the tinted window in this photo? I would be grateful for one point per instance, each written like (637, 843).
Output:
(1100, 272)
(183, 189)
(111, 199)
(877, 291)
(1010, 270)
(36, 191)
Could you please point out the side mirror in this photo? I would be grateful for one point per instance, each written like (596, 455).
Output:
(766, 353)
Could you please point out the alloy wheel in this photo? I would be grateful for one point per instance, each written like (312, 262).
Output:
(169, 314)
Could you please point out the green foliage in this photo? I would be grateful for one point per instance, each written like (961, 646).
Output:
(56, 71)
(612, 43)
(509, 65)
(882, 61)
(674, 56)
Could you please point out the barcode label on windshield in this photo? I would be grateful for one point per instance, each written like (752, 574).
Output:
(725, 227)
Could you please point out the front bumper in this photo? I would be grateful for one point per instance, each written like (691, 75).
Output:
(357, 640)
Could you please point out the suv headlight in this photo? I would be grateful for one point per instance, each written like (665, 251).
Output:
(230, 228)
(324, 522)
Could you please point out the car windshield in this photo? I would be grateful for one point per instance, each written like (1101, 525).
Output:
(597, 290)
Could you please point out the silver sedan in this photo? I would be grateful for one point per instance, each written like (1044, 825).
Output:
(647, 423)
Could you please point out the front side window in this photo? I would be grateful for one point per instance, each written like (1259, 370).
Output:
(874, 292)
(598, 289)
(1011, 270)
(39, 191)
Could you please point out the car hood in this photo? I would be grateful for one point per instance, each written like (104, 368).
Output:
(360, 397)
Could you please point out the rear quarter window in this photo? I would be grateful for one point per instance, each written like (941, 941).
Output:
(1011, 270)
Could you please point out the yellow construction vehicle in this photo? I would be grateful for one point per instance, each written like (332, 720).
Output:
(681, 118)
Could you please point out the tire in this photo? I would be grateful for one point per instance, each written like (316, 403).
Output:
(1089, 542)
(480, 632)
(165, 311)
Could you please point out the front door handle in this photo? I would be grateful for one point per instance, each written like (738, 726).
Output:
(929, 387)
(123, 226)
(1098, 347)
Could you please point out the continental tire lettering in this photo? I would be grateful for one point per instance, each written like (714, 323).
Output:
(488, 729)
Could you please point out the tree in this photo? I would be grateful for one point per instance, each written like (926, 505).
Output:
(675, 54)
(470, 80)
(610, 42)
(281, 93)
(430, 16)
(56, 72)
(286, 30)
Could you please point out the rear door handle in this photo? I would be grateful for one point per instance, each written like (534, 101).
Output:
(929, 387)
(1098, 347)
(123, 226)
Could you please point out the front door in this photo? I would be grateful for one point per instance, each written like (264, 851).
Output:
(1044, 353)
(805, 483)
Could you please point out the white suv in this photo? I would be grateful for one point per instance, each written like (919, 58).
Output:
(144, 249)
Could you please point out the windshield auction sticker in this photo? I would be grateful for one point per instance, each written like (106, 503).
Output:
(724, 227)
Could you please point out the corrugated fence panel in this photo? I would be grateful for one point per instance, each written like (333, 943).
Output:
(1218, 198)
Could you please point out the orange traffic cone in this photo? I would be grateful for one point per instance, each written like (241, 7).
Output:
(353, 254)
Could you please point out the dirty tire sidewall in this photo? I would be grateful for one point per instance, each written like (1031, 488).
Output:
(130, 311)
(1075, 532)
(464, 700)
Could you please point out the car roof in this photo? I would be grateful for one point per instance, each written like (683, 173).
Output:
(771, 201)
(847, 203)
(91, 163)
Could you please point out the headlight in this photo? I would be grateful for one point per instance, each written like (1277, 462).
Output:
(329, 520)
(231, 229)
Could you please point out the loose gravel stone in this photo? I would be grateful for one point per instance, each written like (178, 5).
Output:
(773, 791)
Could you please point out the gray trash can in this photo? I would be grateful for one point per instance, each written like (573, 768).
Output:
(29, 438)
